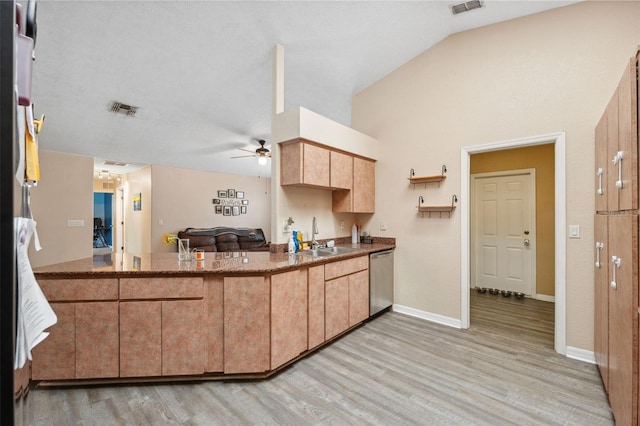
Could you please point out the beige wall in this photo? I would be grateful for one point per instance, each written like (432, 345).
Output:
(540, 158)
(183, 198)
(549, 72)
(137, 223)
(64, 193)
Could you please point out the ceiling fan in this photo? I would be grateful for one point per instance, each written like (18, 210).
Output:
(262, 153)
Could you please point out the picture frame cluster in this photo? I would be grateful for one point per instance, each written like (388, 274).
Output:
(230, 202)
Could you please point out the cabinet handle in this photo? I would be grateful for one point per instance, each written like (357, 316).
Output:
(616, 264)
(599, 173)
(599, 247)
(618, 160)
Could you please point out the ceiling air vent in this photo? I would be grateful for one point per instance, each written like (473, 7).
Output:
(115, 163)
(465, 7)
(119, 107)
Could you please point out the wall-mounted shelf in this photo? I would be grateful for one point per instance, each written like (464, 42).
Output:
(427, 179)
(436, 209)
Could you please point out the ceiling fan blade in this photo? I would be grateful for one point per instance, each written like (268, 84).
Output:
(245, 156)
(247, 150)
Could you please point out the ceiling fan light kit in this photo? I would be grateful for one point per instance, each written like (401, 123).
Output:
(262, 153)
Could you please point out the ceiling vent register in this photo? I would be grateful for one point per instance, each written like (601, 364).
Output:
(465, 7)
(119, 107)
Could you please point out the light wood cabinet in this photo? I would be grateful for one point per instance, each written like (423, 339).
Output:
(361, 198)
(84, 342)
(304, 164)
(97, 347)
(140, 339)
(358, 297)
(214, 311)
(288, 316)
(246, 324)
(316, 306)
(55, 357)
(616, 237)
(346, 294)
(341, 171)
(162, 337)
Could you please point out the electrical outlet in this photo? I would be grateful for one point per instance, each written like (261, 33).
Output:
(383, 226)
(286, 228)
(342, 224)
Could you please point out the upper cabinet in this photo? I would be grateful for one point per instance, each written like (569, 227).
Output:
(352, 178)
(616, 141)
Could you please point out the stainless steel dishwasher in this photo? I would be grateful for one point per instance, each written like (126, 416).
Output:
(380, 281)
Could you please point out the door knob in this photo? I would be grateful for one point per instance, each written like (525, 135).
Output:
(526, 241)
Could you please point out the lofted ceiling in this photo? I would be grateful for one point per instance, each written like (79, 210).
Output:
(199, 72)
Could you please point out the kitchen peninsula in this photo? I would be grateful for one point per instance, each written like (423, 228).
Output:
(133, 318)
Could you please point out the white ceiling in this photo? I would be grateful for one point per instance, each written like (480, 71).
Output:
(200, 71)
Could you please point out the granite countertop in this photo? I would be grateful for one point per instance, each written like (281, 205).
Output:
(241, 262)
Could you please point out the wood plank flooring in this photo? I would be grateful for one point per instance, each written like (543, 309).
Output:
(394, 370)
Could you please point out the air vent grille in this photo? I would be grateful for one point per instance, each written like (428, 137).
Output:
(465, 7)
(108, 185)
(119, 107)
(115, 163)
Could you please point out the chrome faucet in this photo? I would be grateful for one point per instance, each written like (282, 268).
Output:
(314, 231)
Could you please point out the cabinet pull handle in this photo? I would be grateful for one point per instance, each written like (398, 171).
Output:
(618, 160)
(616, 264)
(599, 247)
(599, 173)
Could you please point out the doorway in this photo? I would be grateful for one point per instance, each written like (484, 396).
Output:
(557, 140)
(102, 222)
(503, 230)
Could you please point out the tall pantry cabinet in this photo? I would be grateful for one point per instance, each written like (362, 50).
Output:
(616, 303)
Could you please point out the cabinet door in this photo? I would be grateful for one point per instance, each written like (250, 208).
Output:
(623, 300)
(341, 170)
(628, 137)
(288, 316)
(358, 297)
(612, 149)
(316, 306)
(336, 306)
(55, 357)
(140, 339)
(246, 324)
(97, 340)
(183, 343)
(601, 296)
(364, 186)
(304, 164)
(215, 324)
(602, 164)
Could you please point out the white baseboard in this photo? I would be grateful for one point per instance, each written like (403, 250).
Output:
(581, 355)
(545, 298)
(440, 319)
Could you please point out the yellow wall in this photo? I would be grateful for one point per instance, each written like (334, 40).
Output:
(541, 158)
(550, 72)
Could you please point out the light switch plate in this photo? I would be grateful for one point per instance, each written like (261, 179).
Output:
(75, 223)
(574, 231)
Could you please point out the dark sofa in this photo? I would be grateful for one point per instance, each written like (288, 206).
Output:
(225, 239)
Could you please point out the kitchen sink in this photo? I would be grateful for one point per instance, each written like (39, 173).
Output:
(326, 252)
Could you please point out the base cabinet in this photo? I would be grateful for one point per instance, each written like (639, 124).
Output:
(140, 339)
(55, 357)
(97, 348)
(316, 306)
(346, 294)
(288, 316)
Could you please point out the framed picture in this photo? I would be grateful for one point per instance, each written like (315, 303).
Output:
(243, 209)
(231, 193)
(245, 202)
(217, 201)
(218, 209)
(137, 202)
(239, 194)
(222, 194)
(227, 210)
(236, 210)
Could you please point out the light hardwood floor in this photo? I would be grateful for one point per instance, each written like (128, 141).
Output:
(393, 370)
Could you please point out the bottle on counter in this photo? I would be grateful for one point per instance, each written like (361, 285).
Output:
(354, 234)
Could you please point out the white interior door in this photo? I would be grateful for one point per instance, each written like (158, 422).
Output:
(504, 230)
(118, 243)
